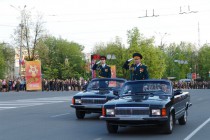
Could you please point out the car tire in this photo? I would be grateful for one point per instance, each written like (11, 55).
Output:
(169, 125)
(111, 128)
(183, 119)
(80, 114)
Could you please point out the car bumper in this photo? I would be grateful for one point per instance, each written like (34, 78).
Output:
(135, 121)
(95, 108)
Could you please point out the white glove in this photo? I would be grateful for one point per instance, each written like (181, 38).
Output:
(98, 62)
(129, 60)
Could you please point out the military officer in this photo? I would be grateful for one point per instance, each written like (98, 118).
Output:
(138, 70)
(103, 70)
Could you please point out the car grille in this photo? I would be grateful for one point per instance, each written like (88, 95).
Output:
(93, 100)
(132, 111)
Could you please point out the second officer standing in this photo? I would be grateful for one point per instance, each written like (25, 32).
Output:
(138, 70)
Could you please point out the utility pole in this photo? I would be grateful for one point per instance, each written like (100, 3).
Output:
(199, 41)
(21, 43)
(22, 12)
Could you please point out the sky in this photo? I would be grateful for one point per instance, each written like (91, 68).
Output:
(89, 22)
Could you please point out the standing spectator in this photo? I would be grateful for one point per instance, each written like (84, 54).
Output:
(18, 85)
(24, 84)
(0, 85)
(4, 85)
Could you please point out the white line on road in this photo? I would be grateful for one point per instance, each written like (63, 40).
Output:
(98, 139)
(197, 129)
(7, 107)
(60, 115)
(32, 102)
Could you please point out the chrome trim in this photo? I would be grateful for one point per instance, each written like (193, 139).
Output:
(86, 101)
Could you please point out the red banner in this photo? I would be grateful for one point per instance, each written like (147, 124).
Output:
(94, 57)
(194, 76)
(113, 75)
(33, 75)
(113, 71)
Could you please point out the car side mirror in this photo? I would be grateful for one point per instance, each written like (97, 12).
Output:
(116, 92)
(84, 88)
(178, 92)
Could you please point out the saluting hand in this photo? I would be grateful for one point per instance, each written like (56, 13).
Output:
(98, 62)
(129, 60)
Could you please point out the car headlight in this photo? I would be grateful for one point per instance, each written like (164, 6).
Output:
(156, 112)
(78, 101)
(110, 112)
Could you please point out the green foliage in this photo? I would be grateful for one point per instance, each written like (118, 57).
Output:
(204, 62)
(7, 54)
(184, 52)
(153, 57)
(60, 58)
(2, 63)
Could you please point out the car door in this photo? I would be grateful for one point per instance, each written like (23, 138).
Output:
(177, 103)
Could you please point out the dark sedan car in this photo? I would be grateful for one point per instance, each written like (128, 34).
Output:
(97, 93)
(147, 102)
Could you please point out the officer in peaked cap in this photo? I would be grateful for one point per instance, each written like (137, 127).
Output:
(138, 71)
(104, 70)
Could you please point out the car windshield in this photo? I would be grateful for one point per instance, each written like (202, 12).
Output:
(146, 87)
(109, 84)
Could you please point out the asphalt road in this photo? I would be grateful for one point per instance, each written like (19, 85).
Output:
(47, 116)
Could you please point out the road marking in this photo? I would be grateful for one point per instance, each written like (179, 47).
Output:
(60, 115)
(33, 102)
(7, 107)
(197, 129)
(98, 139)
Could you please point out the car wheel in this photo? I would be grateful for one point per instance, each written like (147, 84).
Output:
(168, 126)
(80, 114)
(183, 119)
(111, 128)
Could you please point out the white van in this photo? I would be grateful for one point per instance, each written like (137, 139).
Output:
(186, 80)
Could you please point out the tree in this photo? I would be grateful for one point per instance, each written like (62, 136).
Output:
(153, 56)
(29, 34)
(61, 59)
(115, 48)
(7, 60)
(181, 60)
(2, 63)
(204, 61)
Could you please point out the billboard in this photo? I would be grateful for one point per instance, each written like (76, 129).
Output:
(33, 75)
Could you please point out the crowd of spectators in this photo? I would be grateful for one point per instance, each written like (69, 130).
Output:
(19, 84)
(192, 85)
(63, 85)
(7, 85)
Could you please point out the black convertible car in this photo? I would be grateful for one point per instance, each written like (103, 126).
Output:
(97, 93)
(147, 102)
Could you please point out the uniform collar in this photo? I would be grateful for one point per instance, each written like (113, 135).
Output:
(103, 65)
(139, 65)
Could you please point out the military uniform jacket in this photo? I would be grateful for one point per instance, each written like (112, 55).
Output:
(104, 72)
(139, 72)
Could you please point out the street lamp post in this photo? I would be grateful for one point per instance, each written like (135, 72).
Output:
(113, 67)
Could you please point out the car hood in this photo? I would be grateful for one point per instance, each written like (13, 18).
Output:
(95, 93)
(140, 100)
